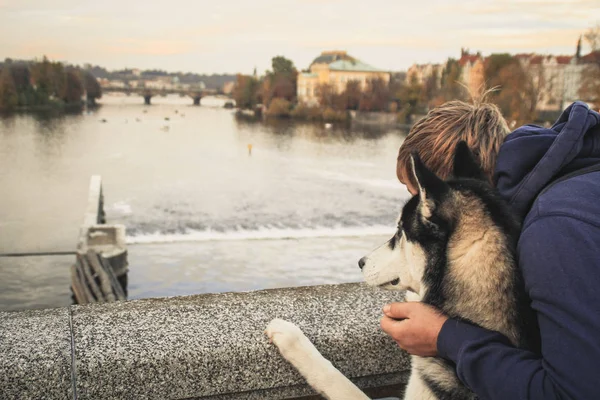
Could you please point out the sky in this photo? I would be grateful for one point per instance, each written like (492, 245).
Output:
(231, 36)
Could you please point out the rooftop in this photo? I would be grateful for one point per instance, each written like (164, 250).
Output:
(354, 65)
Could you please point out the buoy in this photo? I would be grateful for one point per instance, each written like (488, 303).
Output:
(249, 149)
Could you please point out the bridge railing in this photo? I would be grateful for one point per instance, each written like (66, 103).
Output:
(209, 346)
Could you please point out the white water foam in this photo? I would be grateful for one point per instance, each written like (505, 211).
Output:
(261, 234)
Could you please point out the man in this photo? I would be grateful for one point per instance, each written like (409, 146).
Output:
(551, 179)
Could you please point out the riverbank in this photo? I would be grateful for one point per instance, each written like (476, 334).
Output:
(302, 113)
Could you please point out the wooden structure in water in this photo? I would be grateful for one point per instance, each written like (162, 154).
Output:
(99, 273)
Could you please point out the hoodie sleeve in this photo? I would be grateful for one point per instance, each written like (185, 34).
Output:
(560, 265)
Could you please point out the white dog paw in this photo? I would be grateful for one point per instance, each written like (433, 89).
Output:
(286, 336)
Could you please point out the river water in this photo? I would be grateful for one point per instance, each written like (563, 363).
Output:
(202, 215)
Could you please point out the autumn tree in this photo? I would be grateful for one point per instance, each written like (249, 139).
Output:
(42, 76)
(376, 97)
(73, 90)
(515, 93)
(431, 88)
(280, 82)
(245, 92)
(352, 94)
(451, 87)
(326, 94)
(8, 92)
(408, 95)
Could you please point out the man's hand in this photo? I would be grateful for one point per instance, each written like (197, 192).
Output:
(414, 326)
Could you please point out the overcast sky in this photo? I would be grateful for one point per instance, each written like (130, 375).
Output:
(207, 36)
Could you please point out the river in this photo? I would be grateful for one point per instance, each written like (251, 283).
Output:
(202, 215)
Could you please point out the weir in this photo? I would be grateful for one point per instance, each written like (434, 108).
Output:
(209, 346)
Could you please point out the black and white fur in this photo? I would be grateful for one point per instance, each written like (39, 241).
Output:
(454, 249)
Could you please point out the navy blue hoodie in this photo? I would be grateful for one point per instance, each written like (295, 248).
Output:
(559, 256)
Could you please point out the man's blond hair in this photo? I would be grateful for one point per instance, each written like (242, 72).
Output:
(435, 136)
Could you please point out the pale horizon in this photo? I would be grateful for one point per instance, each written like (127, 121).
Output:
(237, 36)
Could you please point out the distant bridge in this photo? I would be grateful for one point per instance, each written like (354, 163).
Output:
(148, 93)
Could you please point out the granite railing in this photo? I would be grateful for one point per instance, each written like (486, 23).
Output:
(208, 346)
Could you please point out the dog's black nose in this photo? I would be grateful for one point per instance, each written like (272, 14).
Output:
(361, 262)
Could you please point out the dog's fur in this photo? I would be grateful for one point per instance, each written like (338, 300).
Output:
(454, 249)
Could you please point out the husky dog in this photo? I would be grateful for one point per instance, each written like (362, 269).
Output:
(454, 249)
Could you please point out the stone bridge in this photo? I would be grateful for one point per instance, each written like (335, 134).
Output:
(148, 93)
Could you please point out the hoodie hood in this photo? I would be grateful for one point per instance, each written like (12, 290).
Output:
(531, 157)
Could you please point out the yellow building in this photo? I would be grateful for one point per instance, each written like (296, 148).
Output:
(335, 68)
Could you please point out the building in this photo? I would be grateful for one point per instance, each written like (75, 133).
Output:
(472, 72)
(228, 87)
(555, 80)
(335, 68)
(420, 73)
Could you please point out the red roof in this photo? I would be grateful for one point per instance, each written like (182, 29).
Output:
(536, 60)
(593, 57)
(563, 59)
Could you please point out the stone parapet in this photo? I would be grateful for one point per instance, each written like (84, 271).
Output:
(208, 346)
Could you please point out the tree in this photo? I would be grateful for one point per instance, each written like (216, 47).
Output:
(451, 88)
(281, 82)
(592, 37)
(376, 97)
(431, 88)
(282, 66)
(8, 92)
(92, 87)
(245, 92)
(21, 76)
(352, 94)
(590, 84)
(73, 88)
(42, 76)
(516, 95)
(326, 95)
(409, 98)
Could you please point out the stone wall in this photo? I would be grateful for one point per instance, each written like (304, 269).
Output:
(195, 347)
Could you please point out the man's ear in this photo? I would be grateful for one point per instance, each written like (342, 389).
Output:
(465, 163)
(431, 188)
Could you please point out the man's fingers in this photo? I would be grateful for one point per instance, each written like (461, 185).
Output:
(399, 310)
(390, 326)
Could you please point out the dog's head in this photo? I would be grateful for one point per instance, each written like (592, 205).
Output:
(426, 222)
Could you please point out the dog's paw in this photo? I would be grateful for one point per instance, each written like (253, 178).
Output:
(288, 338)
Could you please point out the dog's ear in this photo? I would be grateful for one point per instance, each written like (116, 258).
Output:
(466, 164)
(431, 188)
